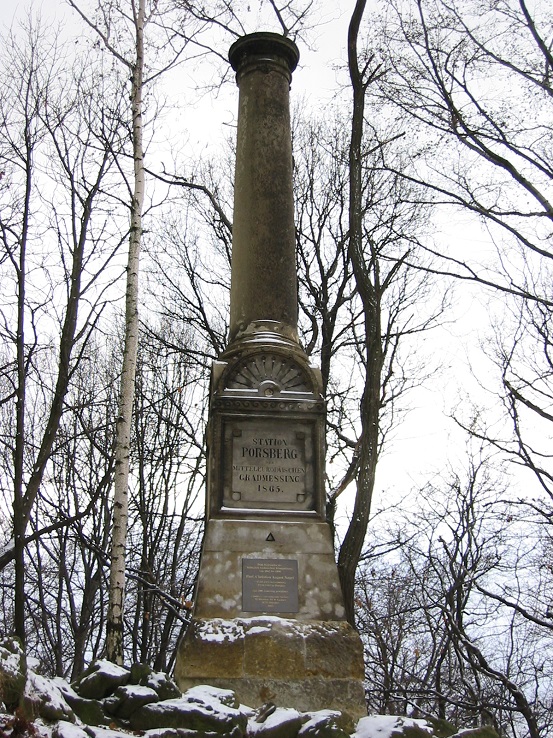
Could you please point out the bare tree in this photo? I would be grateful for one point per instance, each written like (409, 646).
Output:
(485, 148)
(486, 151)
(442, 638)
(121, 30)
(167, 466)
(44, 107)
(383, 218)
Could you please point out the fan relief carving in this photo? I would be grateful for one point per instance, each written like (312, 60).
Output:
(269, 374)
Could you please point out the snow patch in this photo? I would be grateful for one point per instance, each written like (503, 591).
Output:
(110, 669)
(68, 730)
(383, 726)
(10, 661)
(40, 688)
(137, 690)
(280, 716)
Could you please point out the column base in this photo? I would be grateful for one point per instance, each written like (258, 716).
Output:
(314, 665)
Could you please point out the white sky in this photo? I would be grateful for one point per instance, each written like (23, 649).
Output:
(427, 438)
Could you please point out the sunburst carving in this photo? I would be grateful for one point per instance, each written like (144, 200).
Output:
(269, 372)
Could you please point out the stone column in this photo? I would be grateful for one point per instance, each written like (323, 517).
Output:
(269, 619)
(264, 282)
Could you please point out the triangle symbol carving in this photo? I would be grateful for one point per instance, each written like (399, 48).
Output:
(270, 537)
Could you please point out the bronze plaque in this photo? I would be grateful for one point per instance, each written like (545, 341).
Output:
(270, 585)
(268, 464)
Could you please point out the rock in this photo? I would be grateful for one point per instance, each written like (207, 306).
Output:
(163, 685)
(184, 733)
(45, 698)
(112, 732)
(180, 713)
(283, 722)
(13, 671)
(323, 724)
(485, 731)
(165, 733)
(67, 730)
(394, 726)
(129, 698)
(205, 694)
(91, 712)
(100, 680)
(140, 673)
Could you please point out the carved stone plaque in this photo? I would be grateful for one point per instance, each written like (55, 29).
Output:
(270, 585)
(268, 464)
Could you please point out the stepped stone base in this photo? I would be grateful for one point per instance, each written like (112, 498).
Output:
(313, 665)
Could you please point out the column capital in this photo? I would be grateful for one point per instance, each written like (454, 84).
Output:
(263, 47)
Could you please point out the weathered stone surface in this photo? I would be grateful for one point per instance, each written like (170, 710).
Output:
(335, 650)
(323, 724)
(263, 241)
(281, 723)
(100, 680)
(13, 671)
(131, 697)
(275, 650)
(278, 660)
(307, 542)
(183, 714)
(223, 657)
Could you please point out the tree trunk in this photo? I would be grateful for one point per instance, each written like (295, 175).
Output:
(19, 523)
(114, 634)
(369, 291)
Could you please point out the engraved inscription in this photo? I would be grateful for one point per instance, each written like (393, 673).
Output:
(270, 464)
(270, 585)
(268, 467)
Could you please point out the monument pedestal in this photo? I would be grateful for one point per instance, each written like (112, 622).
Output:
(307, 657)
(308, 665)
(283, 567)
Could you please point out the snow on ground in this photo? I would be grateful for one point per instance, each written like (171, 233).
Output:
(383, 726)
(218, 706)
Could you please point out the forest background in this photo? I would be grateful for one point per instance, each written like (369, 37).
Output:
(423, 155)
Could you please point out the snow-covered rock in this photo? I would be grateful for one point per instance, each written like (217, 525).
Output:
(392, 726)
(323, 724)
(45, 697)
(282, 722)
(133, 700)
(13, 671)
(100, 680)
(128, 699)
(181, 713)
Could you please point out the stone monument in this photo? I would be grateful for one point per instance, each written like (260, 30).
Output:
(269, 620)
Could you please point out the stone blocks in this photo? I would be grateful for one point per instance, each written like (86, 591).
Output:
(309, 665)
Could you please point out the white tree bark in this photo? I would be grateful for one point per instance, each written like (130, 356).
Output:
(114, 634)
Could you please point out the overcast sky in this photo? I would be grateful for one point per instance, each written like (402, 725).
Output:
(427, 437)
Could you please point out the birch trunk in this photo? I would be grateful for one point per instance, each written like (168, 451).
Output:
(114, 633)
